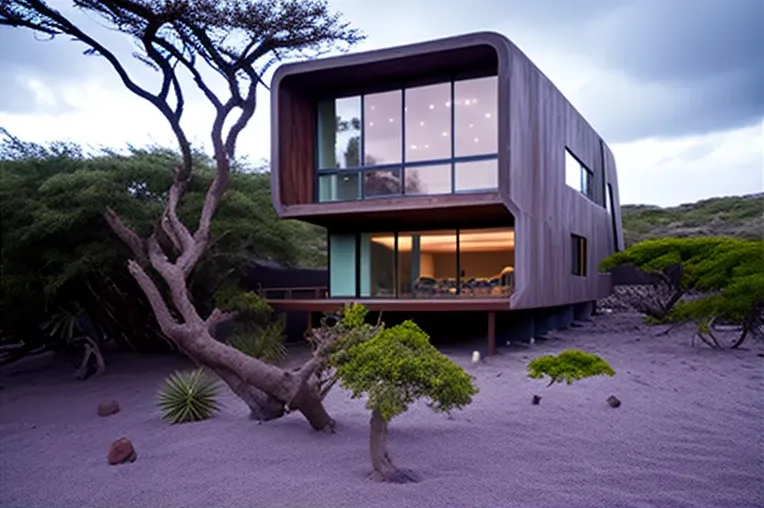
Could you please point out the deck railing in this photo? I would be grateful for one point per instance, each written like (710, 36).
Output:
(309, 293)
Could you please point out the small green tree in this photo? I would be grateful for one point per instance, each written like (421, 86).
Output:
(569, 366)
(394, 368)
(727, 273)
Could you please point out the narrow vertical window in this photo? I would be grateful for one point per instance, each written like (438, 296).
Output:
(578, 255)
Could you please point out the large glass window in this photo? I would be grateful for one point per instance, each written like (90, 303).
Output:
(486, 262)
(433, 139)
(476, 175)
(339, 133)
(428, 122)
(383, 136)
(427, 264)
(476, 104)
(429, 179)
(338, 187)
(377, 266)
(467, 263)
(383, 182)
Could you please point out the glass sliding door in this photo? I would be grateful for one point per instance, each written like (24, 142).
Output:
(342, 265)
(427, 264)
(377, 265)
(486, 262)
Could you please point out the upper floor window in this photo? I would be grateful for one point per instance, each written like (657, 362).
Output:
(434, 139)
(578, 176)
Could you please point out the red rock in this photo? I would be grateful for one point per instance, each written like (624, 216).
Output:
(108, 408)
(121, 451)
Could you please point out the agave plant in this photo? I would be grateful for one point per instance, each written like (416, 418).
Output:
(188, 396)
(263, 342)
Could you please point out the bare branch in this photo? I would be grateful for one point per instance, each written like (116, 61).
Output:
(166, 322)
(178, 231)
(176, 281)
(136, 244)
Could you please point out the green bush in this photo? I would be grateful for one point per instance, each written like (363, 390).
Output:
(188, 396)
(569, 366)
(727, 272)
(394, 367)
(398, 366)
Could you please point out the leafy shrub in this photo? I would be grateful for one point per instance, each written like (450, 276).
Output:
(569, 366)
(394, 368)
(727, 272)
(400, 365)
(188, 396)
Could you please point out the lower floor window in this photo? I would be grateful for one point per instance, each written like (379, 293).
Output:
(578, 249)
(422, 264)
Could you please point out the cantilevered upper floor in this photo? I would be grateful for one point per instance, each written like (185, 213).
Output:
(425, 132)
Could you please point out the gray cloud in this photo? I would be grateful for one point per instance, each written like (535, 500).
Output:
(694, 66)
(55, 63)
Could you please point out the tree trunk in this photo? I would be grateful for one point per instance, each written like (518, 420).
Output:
(262, 407)
(309, 402)
(247, 376)
(383, 468)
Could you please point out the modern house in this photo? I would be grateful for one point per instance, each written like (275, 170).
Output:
(451, 175)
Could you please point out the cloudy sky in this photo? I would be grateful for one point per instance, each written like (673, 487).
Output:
(676, 87)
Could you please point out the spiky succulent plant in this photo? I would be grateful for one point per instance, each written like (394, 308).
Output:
(188, 396)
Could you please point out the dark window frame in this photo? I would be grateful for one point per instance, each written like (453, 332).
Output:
(403, 165)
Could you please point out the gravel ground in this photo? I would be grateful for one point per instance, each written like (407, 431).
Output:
(688, 434)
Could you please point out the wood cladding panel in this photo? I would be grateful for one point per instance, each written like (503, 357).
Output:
(297, 147)
(541, 125)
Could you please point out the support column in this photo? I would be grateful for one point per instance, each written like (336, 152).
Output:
(564, 316)
(544, 322)
(583, 311)
(491, 333)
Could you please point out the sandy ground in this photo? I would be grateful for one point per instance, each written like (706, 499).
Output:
(689, 434)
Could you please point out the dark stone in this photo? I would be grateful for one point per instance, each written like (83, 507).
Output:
(536, 400)
(613, 401)
(121, 451)
(108, 408)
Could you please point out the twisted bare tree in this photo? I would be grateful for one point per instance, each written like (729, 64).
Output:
(239, 40)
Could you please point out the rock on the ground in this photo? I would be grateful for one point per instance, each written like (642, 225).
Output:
(108, 408)
(536, 400)
(613, 401)
(121, 451)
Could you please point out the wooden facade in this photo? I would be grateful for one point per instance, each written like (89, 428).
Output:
(536, 124)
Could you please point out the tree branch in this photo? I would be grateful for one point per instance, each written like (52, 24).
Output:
(175, 280)
(136, 244)
(167, 323)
